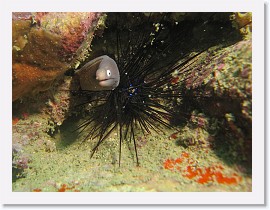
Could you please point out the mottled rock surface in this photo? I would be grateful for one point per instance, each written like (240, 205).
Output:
(45, 45)
(219, 85)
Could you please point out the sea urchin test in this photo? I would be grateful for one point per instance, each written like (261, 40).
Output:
(98, 74)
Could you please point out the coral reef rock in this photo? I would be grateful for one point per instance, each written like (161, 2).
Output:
(220, 85)
(45, 45)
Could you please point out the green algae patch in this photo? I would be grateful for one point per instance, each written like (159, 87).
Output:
(69, 168)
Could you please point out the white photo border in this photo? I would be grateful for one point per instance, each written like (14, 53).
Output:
(257, 196)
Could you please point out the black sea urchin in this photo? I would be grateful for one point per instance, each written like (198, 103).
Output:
(146, 54)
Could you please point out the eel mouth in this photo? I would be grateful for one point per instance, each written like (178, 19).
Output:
(105, 82)
(100, 80)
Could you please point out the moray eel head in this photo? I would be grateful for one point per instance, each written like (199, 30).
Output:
(99, 74)
(108, 74)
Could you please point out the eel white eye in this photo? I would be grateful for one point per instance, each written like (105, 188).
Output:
(109, 73)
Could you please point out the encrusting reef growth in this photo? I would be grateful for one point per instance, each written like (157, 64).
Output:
(181, 111)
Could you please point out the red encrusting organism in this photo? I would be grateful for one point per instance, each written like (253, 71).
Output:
(201, 175)
(175, 80)
(37, 190)
(15, 120)
(64, 188)
(173, 136)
